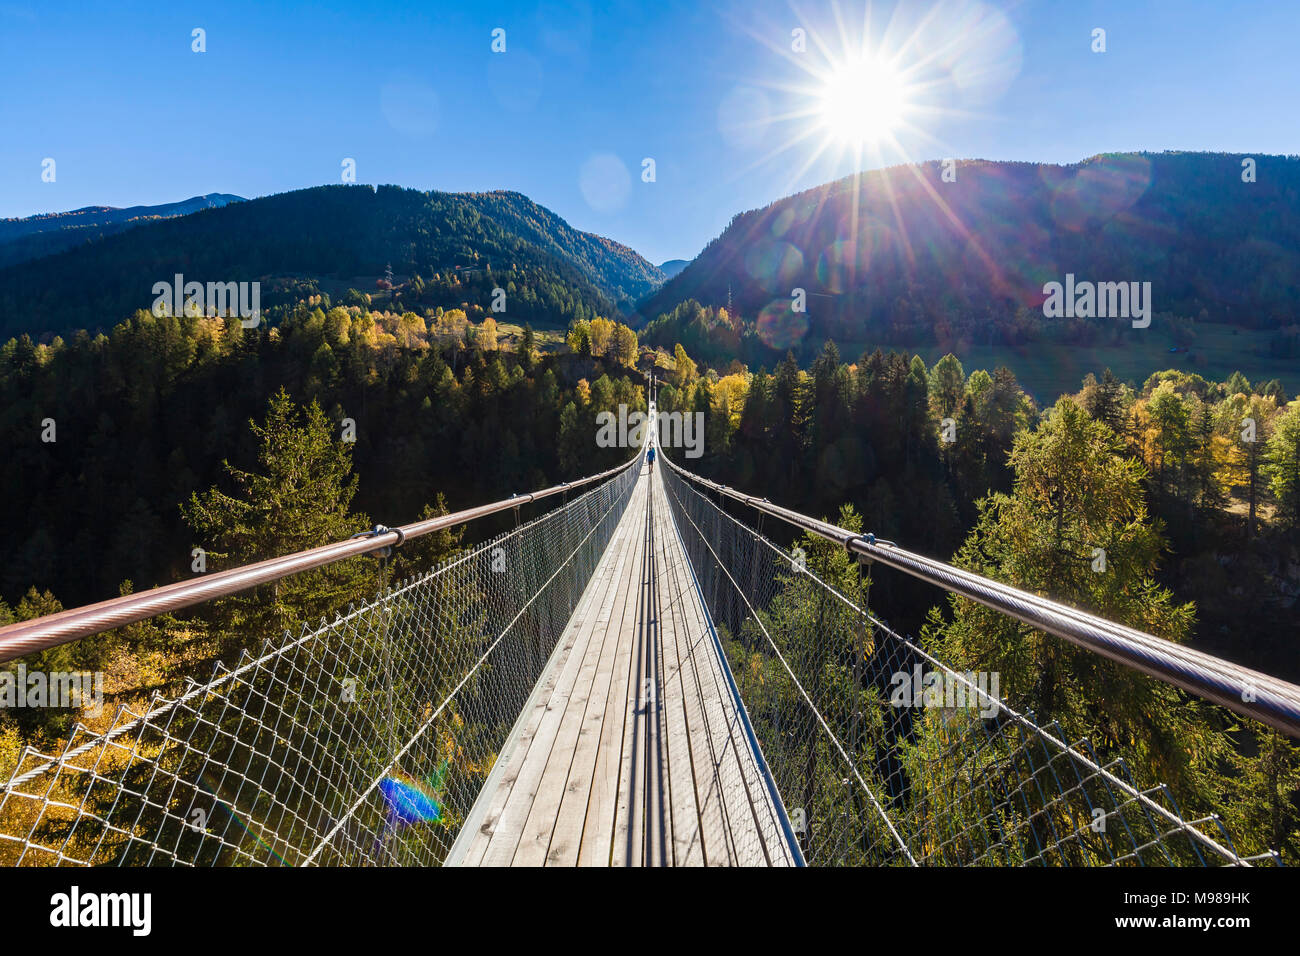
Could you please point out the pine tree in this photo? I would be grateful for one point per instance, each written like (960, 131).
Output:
(1283, 464)
(1263, 813)
(1206, 444)
(298, 498)
(788, 418)
(527, 347)
(1075, 492)
(1107, 404)
(947, 380)
(572, 441)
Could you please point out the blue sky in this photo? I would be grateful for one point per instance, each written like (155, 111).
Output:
(585, 91)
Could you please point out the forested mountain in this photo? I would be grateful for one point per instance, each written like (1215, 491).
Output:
(901, 256)
(341, 233)
(36, 236)
(146, 415)
(673, 266)
(617, 270)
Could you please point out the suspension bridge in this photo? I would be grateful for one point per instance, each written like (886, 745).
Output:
(637, 676)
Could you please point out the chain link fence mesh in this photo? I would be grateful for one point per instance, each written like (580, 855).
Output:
(962, 781)
(363, 741)
(366, 740)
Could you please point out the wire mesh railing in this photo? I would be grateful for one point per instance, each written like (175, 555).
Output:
(363, 741)
(883, 754)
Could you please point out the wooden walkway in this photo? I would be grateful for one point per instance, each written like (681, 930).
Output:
(631, 751)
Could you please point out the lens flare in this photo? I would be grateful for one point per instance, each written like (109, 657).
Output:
(780, 327)
(409, 800)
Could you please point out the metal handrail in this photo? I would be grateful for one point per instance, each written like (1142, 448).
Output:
(28, 637)
(1248, 692)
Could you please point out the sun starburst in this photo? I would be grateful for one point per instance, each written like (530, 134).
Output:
(870, 93)
(862, 101)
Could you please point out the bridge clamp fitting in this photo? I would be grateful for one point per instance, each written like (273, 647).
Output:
(869, 538)
(379, 529)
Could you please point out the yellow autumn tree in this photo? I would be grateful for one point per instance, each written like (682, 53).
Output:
(685, 371)
(622, 345)
(1248, 421)
(730, 392)
(602, 332)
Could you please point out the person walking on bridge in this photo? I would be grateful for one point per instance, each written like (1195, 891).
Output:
(650, 457)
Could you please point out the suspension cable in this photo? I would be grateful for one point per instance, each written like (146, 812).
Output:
(28, 637)
(1251, 693)
(1150, 806)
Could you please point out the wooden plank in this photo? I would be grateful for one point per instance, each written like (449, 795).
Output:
(497, 791)
(712, 841)
(628, 842)
(658, 812)
(598, 770)
(771, 842)
(544, 815)
(604, 803)
(687, 829)
(578, 812)
(505, 838)
(751, 817)
(738, 772)
(709, 745)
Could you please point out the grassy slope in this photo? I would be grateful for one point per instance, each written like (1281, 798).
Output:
(1046, 370)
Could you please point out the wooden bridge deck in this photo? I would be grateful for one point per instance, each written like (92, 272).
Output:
(632, 750)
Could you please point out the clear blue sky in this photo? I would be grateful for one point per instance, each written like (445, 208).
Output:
(414, 93)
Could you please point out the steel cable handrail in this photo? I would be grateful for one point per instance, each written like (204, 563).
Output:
(1251, 693)
(1078, 755)
(333, 745)
(28, 637)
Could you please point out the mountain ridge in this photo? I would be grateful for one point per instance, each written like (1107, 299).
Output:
(338, 231)
(933, 260)
(32, 237)
(672, 267)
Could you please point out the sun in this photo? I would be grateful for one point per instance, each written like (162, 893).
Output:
(862, 101)
(867, 95)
